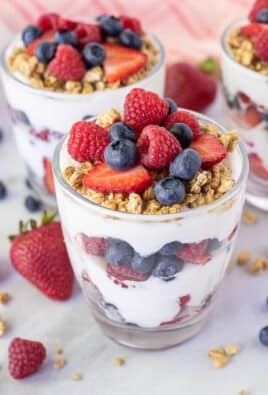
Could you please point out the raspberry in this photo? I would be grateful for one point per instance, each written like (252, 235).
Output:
(94, 245)
(252, 29)
(67, 64)
(66, 24)
(48, 21)
(261, 45)
(142, 108)
(257, 6)
(87, 33)
(183, 117)
(157, 147)
(87, 142)
(25, 357)
(131, 23)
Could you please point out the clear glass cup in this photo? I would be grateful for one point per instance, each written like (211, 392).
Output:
(145, 311)
(40, 117)
(246, 109)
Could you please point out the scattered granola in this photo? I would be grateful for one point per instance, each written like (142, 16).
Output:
(232, 349)
(119, 361)
(258, 265)
(221, 356)
(4, 297)
(3, 327)
(77, 376)
(59, 363)
(59, 351)
(242, 392)
(243, 257)
(249, 217)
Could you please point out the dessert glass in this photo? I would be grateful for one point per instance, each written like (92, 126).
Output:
(40, 117)
(150, 313)
(246, 109)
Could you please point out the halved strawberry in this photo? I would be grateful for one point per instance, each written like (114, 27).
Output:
(252, 29)
(104, 179)
(195, 253)
(121, 62)
(48, 177)
(48, 36)
(211, 150)
(124, 272)
(257, 166)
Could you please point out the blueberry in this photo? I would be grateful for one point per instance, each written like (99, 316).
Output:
(93, 54)
(1, 135)
(119, 252)
(170, 248)
(213, 244)
(32, 204)
(120, 130)
(66, 37)
(3, 190)
(110, 25)
(45, 51)
(264, 116)
(30, 33)
(141, 264)
(263, 336)
(172, 106)
(185, 165)
(169, 191)
(28, 183)
(129, 38)
(167, 266)
(183, 133)
(262, 16)
(120, 154)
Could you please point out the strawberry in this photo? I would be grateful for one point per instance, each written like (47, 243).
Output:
(48, 36)
(252, 117)
(94, 245)
(87, 141)
(131, 23)
(195, 253)
(121, 62)
(40, 256)
(184, 299)
(183, 117)
(142, 108)
(87, 33)
(261, 45)
(66, 24)
(257, 6)
(245, 99)
(48, 177)
(157, 147)
(257, 166)
(67, 64)
(190, 87)
(25, 357)
(103, 179)
(125, 272)
(252, 29)
(48, 21)
(211, 150)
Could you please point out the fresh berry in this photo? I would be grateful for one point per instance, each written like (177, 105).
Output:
(190, 87)
(263, 336)
(183, 117)
(120, 130)
(67, 64)
(185, 165)
(110, 25)
(48, 176)
(213, 244)
(87, 141)
(119, 252)
(121, 154)
(66, 24)
(45, 51)
(171, 248)
(251, 30)
(130, 39)
(104, 179)
(48, 36)
(157, 147)
(125, 273)
(30, 33)
(87, 33)
(172, 106)
(252, 117)
(169, 191)
(257, 166)
(142, 108)
(95, 245)
(184, 300)
(131, 23)
(3, 191)
(257, 6)
(48, 21)
(195, 253)
(121, 62)
(66, 37)
(41, 257)
(143, 264)
(261, 45)
(25, 357)
(32, 204)
(93, 54)
(243, 98)
(211, 150)
(167, 266)
(1, 136)
(183, 133)
(262, 16)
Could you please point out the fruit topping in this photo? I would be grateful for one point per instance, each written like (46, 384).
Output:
(110, 25)
(131, 23)
(169, 191)
(183, 133)
(121, 154)
(210, 149)
(45, 51)
(66, 24)
(183, 117)
(67, 64)
(30, 33)
(251, 30)
(48, 36)
(128, 38)
(48, 21)
(121, 131)
(185, 165)
(66, 37)
(172, 106)
(256, 8)
(87, 33)
(262, 16)
(93, 54)
(261, 45)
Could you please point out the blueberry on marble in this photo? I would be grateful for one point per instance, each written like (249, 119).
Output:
(167, 266)
(171, 248)
(262, 16)
(263, 336)
(93, 54)
(66, 37)
(3, 191)
(120, 130)
(1, 135)
(130, 39)
(185, 165)
(169, 191)
(119, 252)
(32, 204)
(183, 133)
(141, 264)
(172, 106)
(45, 51)
(110, 25)
(120, 154)
(30, 33)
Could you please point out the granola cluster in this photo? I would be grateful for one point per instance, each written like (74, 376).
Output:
(94, 80)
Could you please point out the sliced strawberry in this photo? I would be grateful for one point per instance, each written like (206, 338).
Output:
(48, 21)
(48, 177)
(124, 272)
(48, 36)
(184, 299)
(121, 62)
(252, 117)
(257, 166)
(252, 29)
(195, 253)
(104, 179)
(211, 150)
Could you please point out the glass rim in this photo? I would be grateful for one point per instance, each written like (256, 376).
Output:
(72, 193)
(81, 96)
(226, 51)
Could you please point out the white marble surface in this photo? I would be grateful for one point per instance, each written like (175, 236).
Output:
(240, 313)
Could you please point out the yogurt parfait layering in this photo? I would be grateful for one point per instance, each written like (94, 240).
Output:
(150, 205)
(58, 71)
(245, 79)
